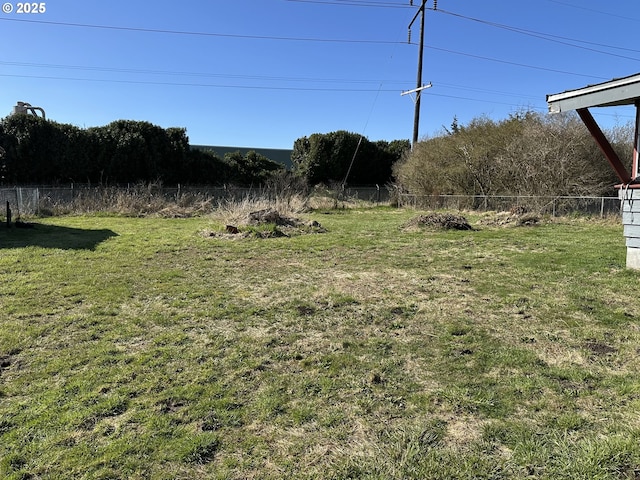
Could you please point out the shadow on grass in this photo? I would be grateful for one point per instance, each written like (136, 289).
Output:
(52, 236)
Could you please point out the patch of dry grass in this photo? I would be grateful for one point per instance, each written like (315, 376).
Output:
(141, 200)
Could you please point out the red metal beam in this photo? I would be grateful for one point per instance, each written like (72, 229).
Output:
(604, 145)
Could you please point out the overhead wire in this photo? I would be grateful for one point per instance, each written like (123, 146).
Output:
(385, 4)
(329, 40)
(507, 62)
(445, 50)
(194, 74)
(230, 76)
(259, 87)
(599, 12)
(355, 3)
(549, 37)
(546, 36)
(210, 85)
(200, 34)
(362, 134)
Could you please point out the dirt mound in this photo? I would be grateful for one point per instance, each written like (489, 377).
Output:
(443, 221)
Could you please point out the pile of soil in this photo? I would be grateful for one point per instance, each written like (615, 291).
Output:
(441, 221)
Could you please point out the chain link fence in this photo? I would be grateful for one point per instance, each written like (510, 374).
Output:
(556, 206)
(37, 200)
(21, 201)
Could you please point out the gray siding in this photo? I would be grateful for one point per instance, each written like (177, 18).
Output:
(630, 205)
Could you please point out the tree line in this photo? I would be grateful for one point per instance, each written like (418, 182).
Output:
(525, 154)
(38, 151)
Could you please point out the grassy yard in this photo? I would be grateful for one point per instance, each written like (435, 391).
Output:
(142, 348)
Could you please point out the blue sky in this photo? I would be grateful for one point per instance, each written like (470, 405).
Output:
(262, 73)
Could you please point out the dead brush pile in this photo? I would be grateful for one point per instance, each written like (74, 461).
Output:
(267, 223)
(511, 219)
(440, 221)
(270, 215)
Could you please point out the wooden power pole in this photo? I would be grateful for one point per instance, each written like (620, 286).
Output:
(416, 115)
(419, 86)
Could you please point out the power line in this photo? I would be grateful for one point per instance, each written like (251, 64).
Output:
(545, 36)
(457, 97)
(276, 78)
(272, 78)
(200, 34)
(208, 85)
(600, 12)
(524, 65)
(262, 87)
(355, 3)
(195, 74)
(258, 87)
(549, 37)
(324, 40)
(254, 77)
(235, 77)
(485, 90)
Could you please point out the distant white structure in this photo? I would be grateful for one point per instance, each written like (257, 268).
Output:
(25, 108)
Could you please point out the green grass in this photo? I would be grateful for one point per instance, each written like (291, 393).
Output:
(144, 349)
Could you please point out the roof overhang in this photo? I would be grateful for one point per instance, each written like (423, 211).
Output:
(617, 92)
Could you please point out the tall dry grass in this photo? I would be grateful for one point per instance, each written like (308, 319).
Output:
(151, 199)
(138, 201)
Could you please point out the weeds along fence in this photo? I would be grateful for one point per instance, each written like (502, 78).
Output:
(53, 199)
(22, 201)
(551, 205)
(36, 200)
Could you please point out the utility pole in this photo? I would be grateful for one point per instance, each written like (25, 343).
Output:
(419, 86)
